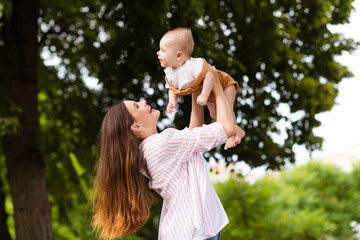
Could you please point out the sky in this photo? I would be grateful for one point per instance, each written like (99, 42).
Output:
(340, 127)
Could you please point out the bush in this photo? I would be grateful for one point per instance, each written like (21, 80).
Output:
(310, 202)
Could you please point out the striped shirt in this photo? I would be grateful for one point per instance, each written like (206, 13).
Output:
(179, 173)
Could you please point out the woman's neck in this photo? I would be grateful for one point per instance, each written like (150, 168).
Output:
(148, 133)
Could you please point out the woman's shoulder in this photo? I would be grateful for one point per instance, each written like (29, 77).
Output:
(150, 145)
(157, 144)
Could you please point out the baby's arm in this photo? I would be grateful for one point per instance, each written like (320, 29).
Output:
(173, 98)
(208, 84)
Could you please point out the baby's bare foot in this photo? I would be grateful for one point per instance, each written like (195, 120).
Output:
(239, 134)
(230, 143)
(236, 139)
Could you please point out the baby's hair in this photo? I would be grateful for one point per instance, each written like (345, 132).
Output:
(184, 39)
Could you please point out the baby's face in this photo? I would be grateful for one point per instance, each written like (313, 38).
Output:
(167, 54)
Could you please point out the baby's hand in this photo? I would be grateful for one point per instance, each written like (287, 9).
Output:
(170, 108)
(202, 100)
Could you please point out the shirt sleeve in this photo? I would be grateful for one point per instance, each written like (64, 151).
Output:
(201, 139)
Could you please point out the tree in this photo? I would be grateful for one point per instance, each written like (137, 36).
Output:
(280, 52)
(24, 160)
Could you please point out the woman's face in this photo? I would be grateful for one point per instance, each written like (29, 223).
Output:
(142, 113)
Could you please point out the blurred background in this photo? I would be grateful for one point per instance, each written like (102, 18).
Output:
(63, 63)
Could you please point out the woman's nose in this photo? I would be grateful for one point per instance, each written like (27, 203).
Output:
(144, 102)
(158, 53)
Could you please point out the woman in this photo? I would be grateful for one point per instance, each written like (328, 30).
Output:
(131, 148)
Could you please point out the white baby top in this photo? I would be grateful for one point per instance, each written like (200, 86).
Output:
(179, 173)
(183, 76)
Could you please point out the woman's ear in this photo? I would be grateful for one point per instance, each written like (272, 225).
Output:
(136, 128)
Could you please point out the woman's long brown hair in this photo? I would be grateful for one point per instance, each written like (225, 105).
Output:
(122, 198)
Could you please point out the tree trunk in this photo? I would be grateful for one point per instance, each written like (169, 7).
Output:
(19, 84)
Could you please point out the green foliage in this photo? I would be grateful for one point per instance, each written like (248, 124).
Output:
(247, 207)
(310, 202)
(1, 24)
(5, 12)
(9, 209)
(9, 126)
(281, 53)
(9, 122)
(69, 121)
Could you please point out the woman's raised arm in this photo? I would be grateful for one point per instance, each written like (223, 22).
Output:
(197, 113)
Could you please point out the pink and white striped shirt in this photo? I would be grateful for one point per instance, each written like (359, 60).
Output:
(179, 173)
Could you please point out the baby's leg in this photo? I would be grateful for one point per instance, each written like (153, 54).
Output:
(197, 113)
(230, 95)
(212, 109)
(207, 86)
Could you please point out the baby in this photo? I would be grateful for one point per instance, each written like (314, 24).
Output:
(185, 75)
